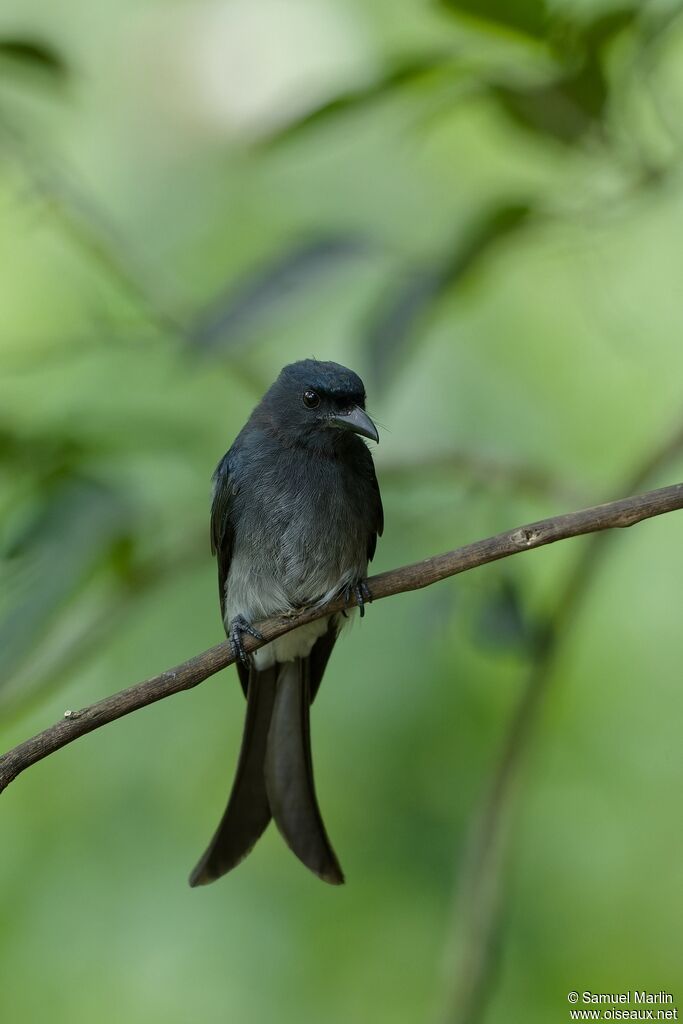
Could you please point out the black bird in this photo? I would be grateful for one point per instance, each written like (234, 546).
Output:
(295, 518)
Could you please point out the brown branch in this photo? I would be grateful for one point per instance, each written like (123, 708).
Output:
(616, 514)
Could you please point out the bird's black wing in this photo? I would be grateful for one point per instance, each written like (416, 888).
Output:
(222, 532)
(322, 649)
(225, 488)
(375, 510)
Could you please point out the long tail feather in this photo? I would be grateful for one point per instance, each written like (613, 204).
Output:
(289, 774)
(248, 810)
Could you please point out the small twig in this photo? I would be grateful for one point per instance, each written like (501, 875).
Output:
(616, 514)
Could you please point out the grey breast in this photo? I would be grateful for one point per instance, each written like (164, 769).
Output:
(299, 534)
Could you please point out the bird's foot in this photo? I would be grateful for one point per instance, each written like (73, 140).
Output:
(362, 593)
(238, 628)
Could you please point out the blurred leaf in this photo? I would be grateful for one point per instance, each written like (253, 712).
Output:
(500, 471)
(44, 453)
(34, 55)
(527, 16)
(270, 287)
(501, 622)
(569, 107)
(90, 620)
(71, 534)
(598, 34)
(565, 110)
(401, 73)
(399, 314)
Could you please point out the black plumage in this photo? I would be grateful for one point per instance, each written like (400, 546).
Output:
(295, 518)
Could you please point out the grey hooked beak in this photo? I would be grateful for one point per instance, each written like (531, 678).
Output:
(358, 421)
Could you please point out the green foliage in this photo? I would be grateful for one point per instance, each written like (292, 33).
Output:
(397, 318)
(482, 216)
(270, 289)
(528, 16)
(399, 74)
(33, 55)
(568, 107)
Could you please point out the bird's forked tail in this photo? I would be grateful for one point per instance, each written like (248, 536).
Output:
(274, 778)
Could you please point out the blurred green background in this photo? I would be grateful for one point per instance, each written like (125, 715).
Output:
(479, 207)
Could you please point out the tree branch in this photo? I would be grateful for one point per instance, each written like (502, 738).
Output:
(616, 514)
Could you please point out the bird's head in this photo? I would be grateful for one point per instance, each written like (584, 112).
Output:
(318, 403)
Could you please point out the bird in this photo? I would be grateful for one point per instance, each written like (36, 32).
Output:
(295, 517)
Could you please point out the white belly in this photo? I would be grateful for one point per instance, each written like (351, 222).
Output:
(296, 644)
(259, 595)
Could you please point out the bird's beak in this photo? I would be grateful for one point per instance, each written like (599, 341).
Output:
(357, 421)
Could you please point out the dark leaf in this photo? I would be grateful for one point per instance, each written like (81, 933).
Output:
(36, 55)
(397, 75)
(44, 453)
(265, 290)
(527, 16)
(56, 550)
(400, 313)
(598, 34)
(397, 317)
(501, 624)
(491, 227)
(575, 103)
(564, 110)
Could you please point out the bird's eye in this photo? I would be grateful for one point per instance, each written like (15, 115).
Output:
(311, 399)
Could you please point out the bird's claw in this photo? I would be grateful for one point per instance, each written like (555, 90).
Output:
(362, 593)
(238, 627)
